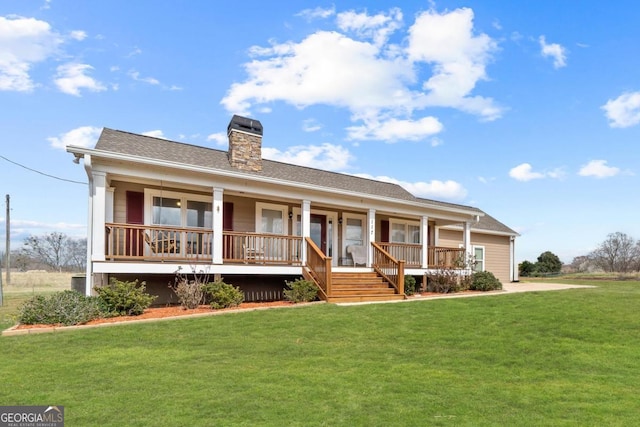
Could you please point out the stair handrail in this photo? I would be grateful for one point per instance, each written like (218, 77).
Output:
(318, 268)
(388, 267)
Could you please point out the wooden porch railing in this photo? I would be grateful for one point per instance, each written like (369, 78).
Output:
(139, 242)
(131, 242)
(441, 257)
(255, 248)
(388, 267)
(438, 256)
(318, 269)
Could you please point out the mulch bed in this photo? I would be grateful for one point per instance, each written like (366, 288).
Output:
(169, 311)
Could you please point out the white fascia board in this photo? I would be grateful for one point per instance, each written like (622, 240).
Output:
(420, 206)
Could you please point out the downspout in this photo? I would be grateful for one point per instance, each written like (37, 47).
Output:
(89, 271)
(512, 254)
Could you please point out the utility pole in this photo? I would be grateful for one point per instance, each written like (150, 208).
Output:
(7, 248)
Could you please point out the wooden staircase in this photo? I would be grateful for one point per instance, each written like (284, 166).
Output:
(361, 287)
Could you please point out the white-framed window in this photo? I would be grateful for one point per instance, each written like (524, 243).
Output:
(478, 257)
(405, 232)
(178, 209)
(353, 229)
(271, 218)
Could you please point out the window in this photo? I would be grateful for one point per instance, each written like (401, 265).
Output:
(271, 219)
(354, 232)
(405, 232)
(478, 256)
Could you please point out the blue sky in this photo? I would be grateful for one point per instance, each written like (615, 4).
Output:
(527, 110)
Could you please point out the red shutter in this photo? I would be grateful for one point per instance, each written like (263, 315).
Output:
(135, 215)
(384, 230)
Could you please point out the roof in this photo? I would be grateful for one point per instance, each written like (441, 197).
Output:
(161, 149)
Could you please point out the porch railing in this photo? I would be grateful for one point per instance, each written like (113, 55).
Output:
(438, 256)
(139, 242)
(388, 267)
(441, 257)
(135, 242)
(318, 268)
(255, 248)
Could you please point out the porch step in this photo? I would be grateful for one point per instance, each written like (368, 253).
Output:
(361, 287)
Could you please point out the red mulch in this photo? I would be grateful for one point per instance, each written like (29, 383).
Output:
(170, 311)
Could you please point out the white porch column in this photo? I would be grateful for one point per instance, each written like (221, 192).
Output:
(99, 198)
(371, 235)
(217, 225)
(306, 227)
(513, 266)
(466, 241)
(424, 237)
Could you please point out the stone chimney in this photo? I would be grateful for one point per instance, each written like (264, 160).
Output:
(245, 144)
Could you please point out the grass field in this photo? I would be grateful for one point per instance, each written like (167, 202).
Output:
(23, 286)
(562, 358)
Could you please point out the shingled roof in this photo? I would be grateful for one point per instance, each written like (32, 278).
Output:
(131, 144)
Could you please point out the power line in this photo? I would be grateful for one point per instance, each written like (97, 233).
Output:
(42, 173)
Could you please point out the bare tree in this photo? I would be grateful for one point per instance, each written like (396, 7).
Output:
(618, 253)
(57, 251)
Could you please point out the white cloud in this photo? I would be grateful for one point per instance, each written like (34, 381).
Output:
(155, 133)
(524, 172)
(84, 136)
(375, 80)
(318, 12)
(135, 75)
(220, 138)
(459, 59)
(78, 35)
(555, 51)
(624, 111)
(72, 77)
(435, 189)
(311, 125)
(598, 169)
(326, 156)
(394, 129)
(23, 43)
(436, 142)
(377, 27)
(134, 52)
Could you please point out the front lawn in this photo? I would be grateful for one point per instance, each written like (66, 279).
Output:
(548, 358)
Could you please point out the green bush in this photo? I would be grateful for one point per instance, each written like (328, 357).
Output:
(409, 285)
(485, 281)
(223, 295)
(124, 298)
(300, 291)
(66, 308)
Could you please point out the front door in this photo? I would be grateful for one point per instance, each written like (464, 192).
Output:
(319, 231)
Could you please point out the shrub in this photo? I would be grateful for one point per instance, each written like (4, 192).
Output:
(444, 281)
(485, 281)
(65, 307)
(223, 295)
(190, 292)
(300, 291)
(409, 285)
(124, 298)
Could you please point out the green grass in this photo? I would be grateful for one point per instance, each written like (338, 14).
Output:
(548, 358)
(25, 285)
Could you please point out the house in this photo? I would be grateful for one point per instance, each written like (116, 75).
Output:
(156, 206)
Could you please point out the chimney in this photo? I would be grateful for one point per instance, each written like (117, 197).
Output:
(245, 144)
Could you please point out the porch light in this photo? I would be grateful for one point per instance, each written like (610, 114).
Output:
(290, 214)
(340, 220)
